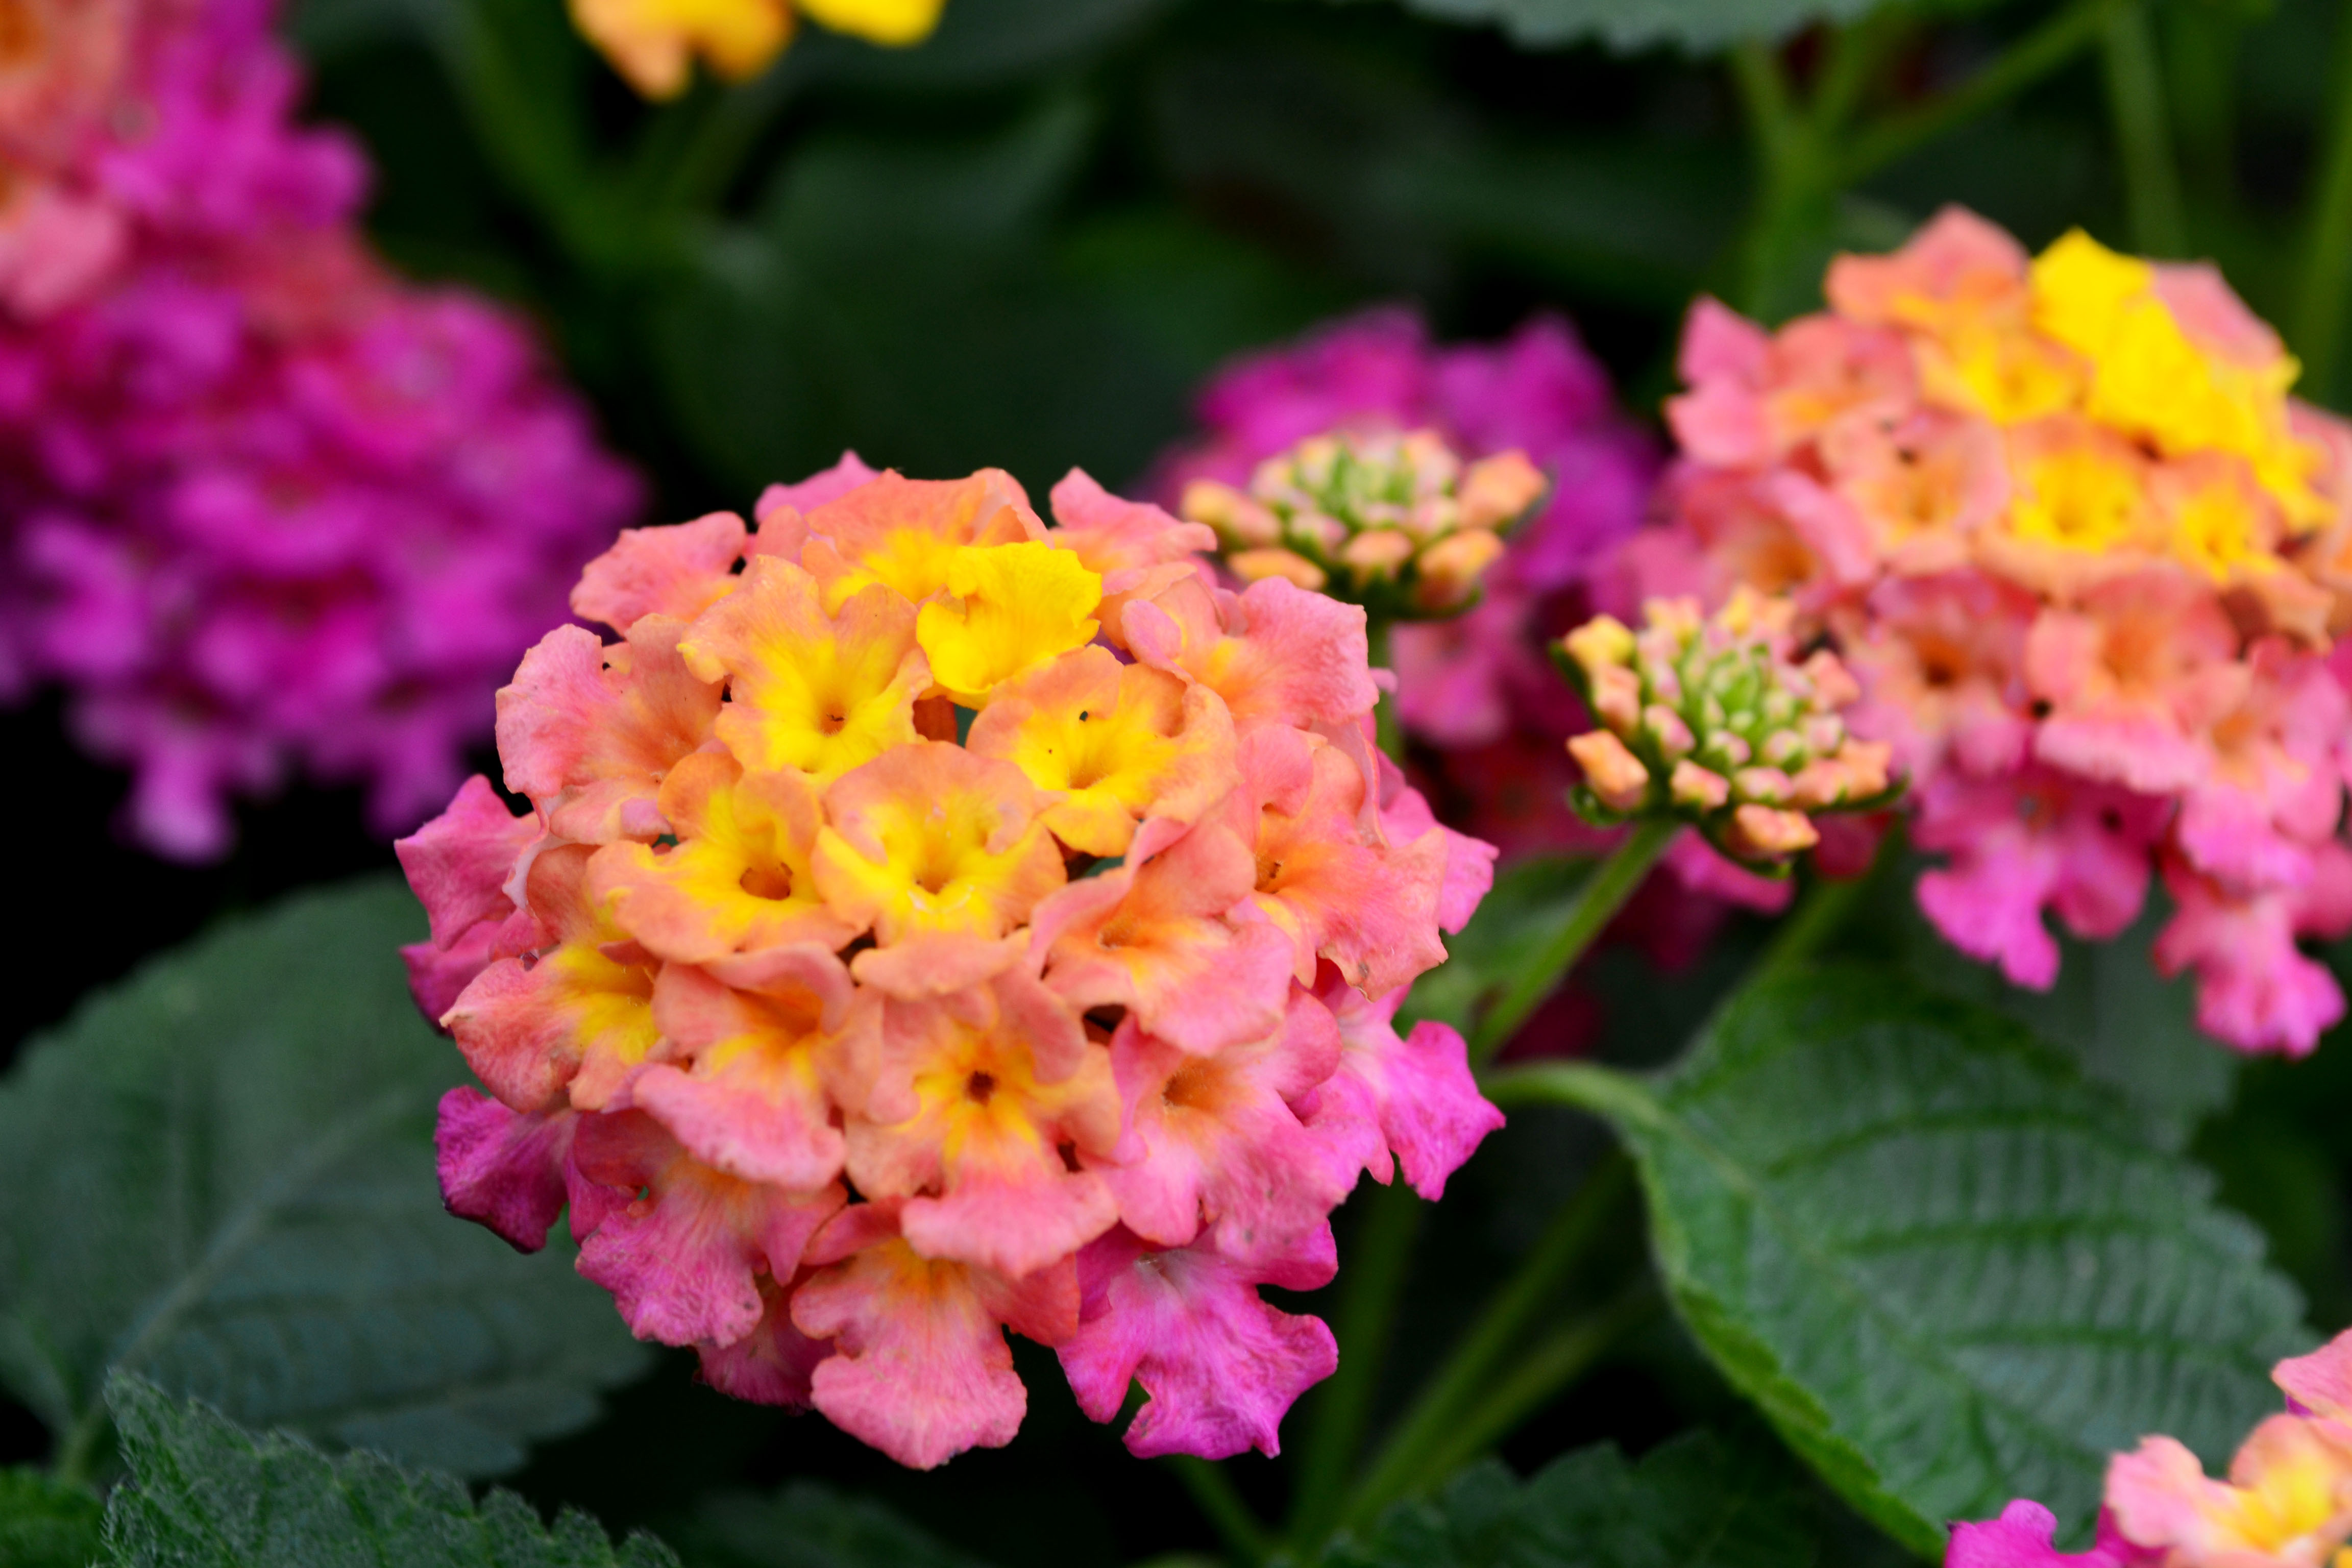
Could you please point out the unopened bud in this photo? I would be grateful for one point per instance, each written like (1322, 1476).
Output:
(1241, 522)
(1376, 557)
(1614, 774)
(1694, 786)
(1449, 570)
(1761, 833)
(1254, 565)
(1498, 490)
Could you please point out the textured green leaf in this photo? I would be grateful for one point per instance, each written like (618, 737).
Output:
(205, 1493)
(1696, 26)
(1700, 1501)
(45, 1523)
(1950, 1271)
(222, 1177)
(810, 1525)
(2126, 1026)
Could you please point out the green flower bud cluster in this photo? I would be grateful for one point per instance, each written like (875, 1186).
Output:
(1706, 718)
(1395, 523)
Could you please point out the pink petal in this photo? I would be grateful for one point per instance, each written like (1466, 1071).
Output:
(1222, 1367)
(684, 1259)
(458, 863)
(502, 1169)
(679, 571)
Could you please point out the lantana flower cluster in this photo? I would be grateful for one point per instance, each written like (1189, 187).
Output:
(2286, 1502)
(1479, 687)
(929, 923)
(261, 504)
(1393, 521)
(1710, 719)
(2087, 558)
(655, 43)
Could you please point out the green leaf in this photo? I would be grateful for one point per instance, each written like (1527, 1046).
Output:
(1696, 26)
(1950, 1271)
(2126, 1025)
(222, 1176)
(1699, 1501)
(810, 1525)
(898, 295)
(205, 1492)
(45, 1523)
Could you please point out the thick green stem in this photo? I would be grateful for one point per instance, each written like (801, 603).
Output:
(2142, 138)
(2023, 63)
(1603, 894)
(1225, 1509)
(1405, 1463)
(1789, 187)
(2327, 253)
(1372, 1282)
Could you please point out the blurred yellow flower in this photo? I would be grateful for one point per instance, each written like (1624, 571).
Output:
(653, 43)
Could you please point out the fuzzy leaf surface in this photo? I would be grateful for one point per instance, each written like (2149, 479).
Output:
(47, 1524)
(205, 1493)
(222, 1177)
(810, 1525)
(1698, 1501)
(1949, 1270)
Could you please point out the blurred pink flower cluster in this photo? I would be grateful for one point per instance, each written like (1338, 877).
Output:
(2086, 558)
(1479, 688)
(262, 505)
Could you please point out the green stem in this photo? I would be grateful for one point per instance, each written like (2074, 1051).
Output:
(2143, 139)
(1404, 1463)
(2327, 254)
(1581, 1085)
(1374, 1279)
(713, 159)
(77, 1461)
(1788, 172)
(2023, 63)
(1386, 722)
(1822, 909)
(1603, 894)
(1218, 1499)
(1537, 1377)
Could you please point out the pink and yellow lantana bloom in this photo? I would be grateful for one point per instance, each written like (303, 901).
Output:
(2090, 565)
(2286, 1501)
(931, 922)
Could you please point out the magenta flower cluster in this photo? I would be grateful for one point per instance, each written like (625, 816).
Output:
(263, 506)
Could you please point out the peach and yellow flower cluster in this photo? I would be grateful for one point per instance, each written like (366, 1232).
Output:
(2286, 1504)
(1391, 520)
(1709, 718)
(930, 922)
(655, 43)
(2087, 559)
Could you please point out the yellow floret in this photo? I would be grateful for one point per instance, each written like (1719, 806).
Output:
(1009, 607)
